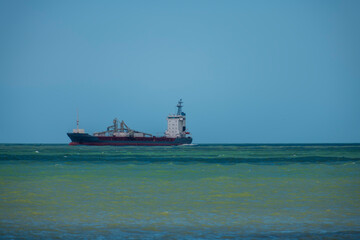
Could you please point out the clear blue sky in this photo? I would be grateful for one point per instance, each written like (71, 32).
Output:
(247, 71)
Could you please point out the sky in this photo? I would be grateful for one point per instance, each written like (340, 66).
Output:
(247, 71)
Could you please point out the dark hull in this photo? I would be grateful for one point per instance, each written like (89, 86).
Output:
(86, 139)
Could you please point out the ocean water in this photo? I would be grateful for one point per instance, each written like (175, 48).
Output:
(183, 192)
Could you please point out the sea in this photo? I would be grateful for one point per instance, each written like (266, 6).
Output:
(213, 191)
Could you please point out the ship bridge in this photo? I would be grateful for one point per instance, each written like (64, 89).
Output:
(176, 123)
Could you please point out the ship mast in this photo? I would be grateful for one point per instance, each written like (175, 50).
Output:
(77, 120)
(78, 130)
(179, 106)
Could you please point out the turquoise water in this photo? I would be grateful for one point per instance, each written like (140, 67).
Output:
(184, 192)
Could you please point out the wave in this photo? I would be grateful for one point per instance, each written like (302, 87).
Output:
(179, 159)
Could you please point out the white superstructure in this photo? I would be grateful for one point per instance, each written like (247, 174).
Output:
(176, 123)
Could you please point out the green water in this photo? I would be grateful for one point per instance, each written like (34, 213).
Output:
(190, 192)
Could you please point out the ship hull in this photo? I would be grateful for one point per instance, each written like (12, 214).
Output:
(87, 139)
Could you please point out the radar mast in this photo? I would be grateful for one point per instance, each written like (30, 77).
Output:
(179, 106)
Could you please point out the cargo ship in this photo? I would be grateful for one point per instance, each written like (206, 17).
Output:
(119, 134)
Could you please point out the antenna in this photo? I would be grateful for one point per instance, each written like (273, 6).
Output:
(77, 120)
(179, 106)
